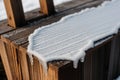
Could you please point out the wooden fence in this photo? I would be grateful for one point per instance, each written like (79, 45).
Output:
(101, 62)
(15, 11)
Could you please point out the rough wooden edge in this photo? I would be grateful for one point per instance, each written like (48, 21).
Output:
(47, 7)
(13, 65)
(5, 61)
(15, 13)
(114, 58)
(22, 57)
(36, 71)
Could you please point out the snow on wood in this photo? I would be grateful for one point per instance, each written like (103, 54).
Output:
(73, 35)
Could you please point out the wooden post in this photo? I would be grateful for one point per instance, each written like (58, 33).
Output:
(47, 7)
(5, 61)
(114, 57)
(9, 56)
(15, 13)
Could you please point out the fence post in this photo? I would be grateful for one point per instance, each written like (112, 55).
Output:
(47, 7)
(15, 13)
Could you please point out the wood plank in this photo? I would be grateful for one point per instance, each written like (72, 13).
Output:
(114, 57)
(13, 63)
(119, 65)
(37, 72)
(101, 62)
(52, 72)
(47, 7)
(20, 35)
(88, 67)
(5, 61)
(22, 57)
(19, 38)
(68, 72)
(30, 67)
(101, 57)
(15, 13)
(4, 27)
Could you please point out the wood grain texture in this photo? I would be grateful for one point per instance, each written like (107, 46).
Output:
(5, 61)
(15, 13)
(47, 7)
(17, 64)
(114, 59)
(19, 36)
(10, 62)
(22, 57)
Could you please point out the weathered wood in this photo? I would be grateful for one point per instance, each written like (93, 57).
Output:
(114, 57)
(101, 62)
(4, 27)
(5, 61)
(47, 7)
(15, 13)
(10, 60)
(37, 72)
(88, 70)
(22, 57)
(20, 35)
(68, 72)
(15, 42)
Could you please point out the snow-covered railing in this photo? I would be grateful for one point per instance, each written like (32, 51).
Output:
(15, 13)
(101, 61)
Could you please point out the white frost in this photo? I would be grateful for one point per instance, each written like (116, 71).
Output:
(118, 78)
(28, 5)
(73, 35)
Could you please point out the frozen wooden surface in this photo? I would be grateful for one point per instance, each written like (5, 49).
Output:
(16, 42)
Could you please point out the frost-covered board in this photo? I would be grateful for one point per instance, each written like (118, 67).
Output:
(18, 39)
(73, 35)
(19, 36)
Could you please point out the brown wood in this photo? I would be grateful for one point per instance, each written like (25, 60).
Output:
(4, 27)
(15, 13)
(10, 60)
(47, 7)
(37, 72)
(5, 61)
(20, 35)
(14, 44)
(114, 58)
(88, 69)
(68, 72)
(22, 57)
(101, 62)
